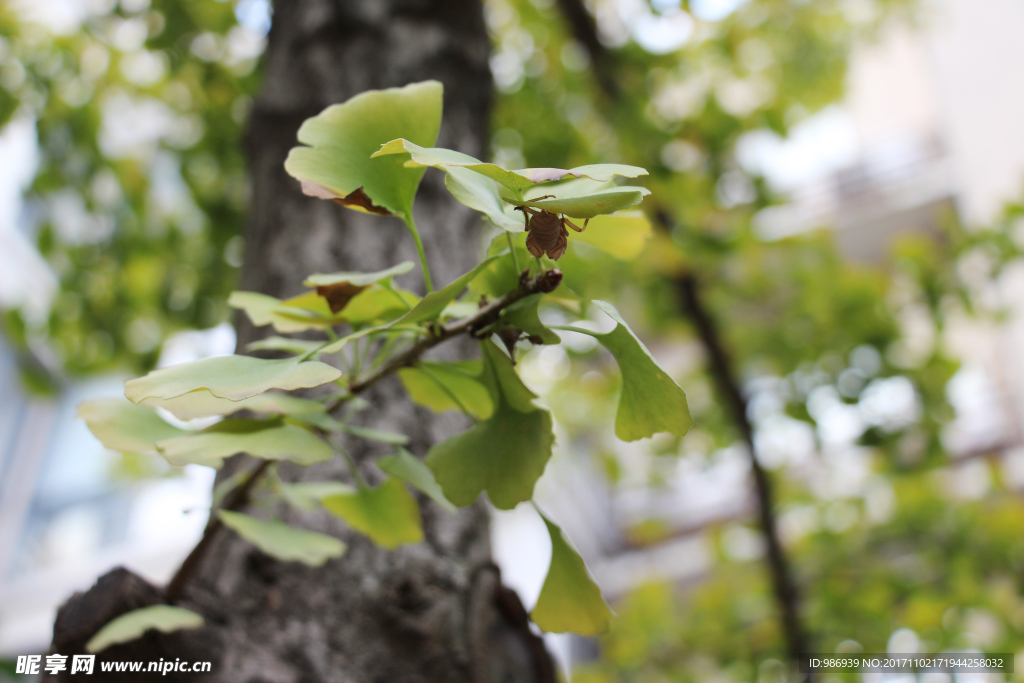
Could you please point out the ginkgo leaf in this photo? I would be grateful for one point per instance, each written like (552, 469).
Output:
(588, 206)
(518, 180)
(124, 426)
(621, 234)
(522, 315)
(504, 381)
(338, 344)
(405, 466)
(340, 288)
(443, 386)
(270, 439)
(230, 377)
(393, 438)
(570, 600)
(503, 455)
(283, 541)
(650, 401)
(379, 305)
(320, 279)
(337, 163)
(297, 346)
(202, 403)
(134, 624)
(388, 514)
(501, 275)
(434, 303)
(481, 194)
(306, 495)
(460, 309)
(307, 311)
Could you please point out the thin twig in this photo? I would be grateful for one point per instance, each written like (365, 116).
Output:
(721, 370)
(544, 283)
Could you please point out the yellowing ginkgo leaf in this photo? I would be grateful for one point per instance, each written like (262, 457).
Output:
(570, 600)
(336, 163)
(283, 541)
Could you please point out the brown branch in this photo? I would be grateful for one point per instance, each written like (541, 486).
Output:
(584, 29)
(786, 594)
(543, 283)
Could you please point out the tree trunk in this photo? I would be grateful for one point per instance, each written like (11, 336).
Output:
(435, 611)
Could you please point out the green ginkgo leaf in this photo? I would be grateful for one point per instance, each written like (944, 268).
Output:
(388, 514)
(570, 600)
(501, 275)
(588, 206)
(306, 495)
(202, 403)
(359, 279)
(503, 381)
(285, 542)
(269, 439)
(503, 455)
(393, 438)
(522, 315)
(518, 180)
(337, 162)
(434, 303)
(134, 624)
(308, 311)
(405, 466)
(443, 386)
(338, 289)
(481, 194)
(124, 426)
(378, 305)
(298, 347)
(650, 401)
(230, 377)
(622, 234)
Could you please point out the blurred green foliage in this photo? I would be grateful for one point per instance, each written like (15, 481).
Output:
(138, 201)
(948, 570)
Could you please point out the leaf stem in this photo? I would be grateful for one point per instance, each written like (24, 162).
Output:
(357, 361)
(360, 482)
(312, 352)
(411, 224)
(390, 286)
(512, 248)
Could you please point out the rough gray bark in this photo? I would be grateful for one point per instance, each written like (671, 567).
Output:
(435, 611)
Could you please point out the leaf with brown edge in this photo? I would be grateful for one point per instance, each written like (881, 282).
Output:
(340, 294)
(340, 288)
(357, 199)
(334, 159)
